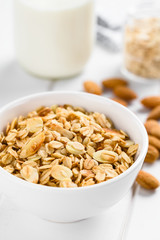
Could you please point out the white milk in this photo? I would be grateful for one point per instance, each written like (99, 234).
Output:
(54, 38)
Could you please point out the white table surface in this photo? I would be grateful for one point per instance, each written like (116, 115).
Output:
(139, 216)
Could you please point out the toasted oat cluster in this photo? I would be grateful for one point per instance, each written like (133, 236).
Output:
(142, 47)
(65, 146)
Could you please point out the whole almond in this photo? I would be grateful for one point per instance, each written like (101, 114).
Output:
(153, 128)
(152, 154)
(114, 82)
(92, 87)
(155, 113)
(151, 102)
(154, 141)
(146, 180)
(125, 93)
(121, 101)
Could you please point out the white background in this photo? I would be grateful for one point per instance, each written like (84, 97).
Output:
(137, 216)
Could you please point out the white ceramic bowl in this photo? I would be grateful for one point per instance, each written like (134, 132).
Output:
(67, 205)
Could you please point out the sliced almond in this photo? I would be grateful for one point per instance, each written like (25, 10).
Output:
(61, 130)
(32, 146)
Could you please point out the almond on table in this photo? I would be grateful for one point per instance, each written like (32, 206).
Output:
(125, 93)
(121, 101)
(154, 141)
(152, 154)
(153, 128)
(155, 113)
(146, 180)
(92, 87)
(114, 82)
(151, 102)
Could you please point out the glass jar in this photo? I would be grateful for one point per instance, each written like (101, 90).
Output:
(141, 53)
(54, 38)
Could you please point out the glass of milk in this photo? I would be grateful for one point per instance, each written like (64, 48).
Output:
(54, 38)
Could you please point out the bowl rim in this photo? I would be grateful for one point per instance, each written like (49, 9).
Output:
(141, 156)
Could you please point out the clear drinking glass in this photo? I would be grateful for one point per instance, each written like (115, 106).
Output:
(54, 38)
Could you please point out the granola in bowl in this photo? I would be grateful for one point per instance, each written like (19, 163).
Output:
(65, 146)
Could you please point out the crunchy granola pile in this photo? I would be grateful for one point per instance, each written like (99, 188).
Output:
(65, 146)
(142, 47)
